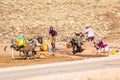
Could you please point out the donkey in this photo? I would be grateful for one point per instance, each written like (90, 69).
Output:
(32, 44)
(76, 43)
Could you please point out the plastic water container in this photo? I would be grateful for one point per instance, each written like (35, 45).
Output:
(44, 47)
(50, 50)
(107, 49)
(99, 50)
(113, 52)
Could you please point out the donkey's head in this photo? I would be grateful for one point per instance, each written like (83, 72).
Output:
(40, 40)
(12, 43)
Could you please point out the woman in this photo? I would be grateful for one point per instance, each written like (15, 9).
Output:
(53, 34)
(90, 33)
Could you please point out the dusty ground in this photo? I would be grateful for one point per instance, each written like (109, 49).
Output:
(61, 55)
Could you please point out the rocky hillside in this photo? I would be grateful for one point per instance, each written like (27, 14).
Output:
(33, 17)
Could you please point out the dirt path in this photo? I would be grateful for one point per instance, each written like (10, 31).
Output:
(61, 55)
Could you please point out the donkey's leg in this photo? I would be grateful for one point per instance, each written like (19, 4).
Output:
(20, 53)
(74, 48)
(33, 53)
(12, 53)
(26, 55)
(79, 49)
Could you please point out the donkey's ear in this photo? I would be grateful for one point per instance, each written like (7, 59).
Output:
(5, 48)
(75, 33)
